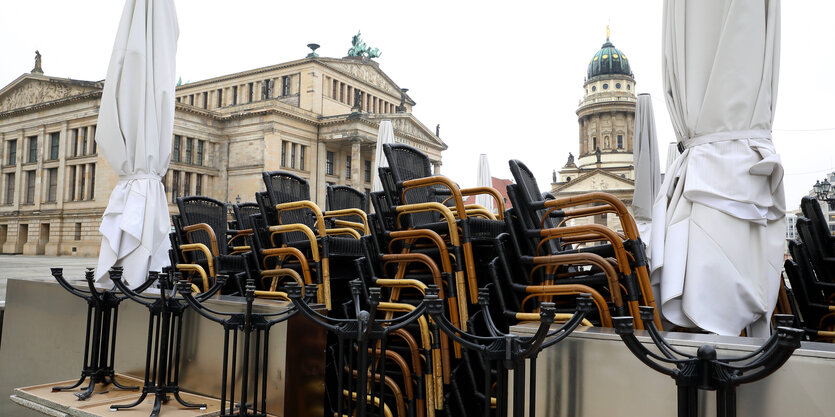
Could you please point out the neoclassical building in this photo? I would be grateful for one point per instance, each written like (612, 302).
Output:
(606, 117)
(316, 117)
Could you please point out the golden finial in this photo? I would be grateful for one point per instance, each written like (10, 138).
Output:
(607, 32)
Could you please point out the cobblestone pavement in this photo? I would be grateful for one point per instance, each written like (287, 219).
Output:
(36, 268)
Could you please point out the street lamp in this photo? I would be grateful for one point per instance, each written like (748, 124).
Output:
(822, 192)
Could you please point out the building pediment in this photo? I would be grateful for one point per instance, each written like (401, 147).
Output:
(597, 180)
(367, 72)
(30, 90)
(409, 127)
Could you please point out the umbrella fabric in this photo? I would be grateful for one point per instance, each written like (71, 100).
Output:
(647, 166)
(484, 180)
(384, 135)
(719, 232)
(672, 155)
(136, 121)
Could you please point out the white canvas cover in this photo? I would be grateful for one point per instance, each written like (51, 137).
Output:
(484, 180)
(718, 229)
(136, 121)
(647, 166)
(384, 135)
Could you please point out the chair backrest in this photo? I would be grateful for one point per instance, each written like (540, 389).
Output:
(201, 209)
(284, 187)
(529, 193)
(812, 210)
(266, 207)
(815, 249)
(407, 163)
(344, 197)
(243, 211)
(802, 281)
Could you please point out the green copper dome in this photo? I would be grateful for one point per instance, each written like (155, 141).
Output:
(609, 60)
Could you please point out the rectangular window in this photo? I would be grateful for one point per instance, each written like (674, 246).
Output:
(33, 149)
(191, 99)
(301, 157)
(266, 89)
(30, 187)
(71, 184)
(54, 142)
(189, 148)
(82, 137)
(367, 171)
(206, 100)
(220, 97)
(9, 189)
(620, 141)
(250, 94)
(187, 183)
(92, 193)
(52, 189)
(342, 92)
(235, 95)
(348, 167)
(329, 163)
(74, 142)
(12, 152)
(335, 92)
(349, 96)
(175, 186)
(293, 155)
(82, 181)
(283, 153)
(92, 133)
(200, 144)
(285, 85)
(199, 185)
(175, 154)
(77, 234)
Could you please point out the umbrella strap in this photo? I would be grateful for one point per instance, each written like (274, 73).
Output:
(135, 177)
(723, 137)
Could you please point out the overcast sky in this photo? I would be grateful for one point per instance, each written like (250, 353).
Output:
(501, 80)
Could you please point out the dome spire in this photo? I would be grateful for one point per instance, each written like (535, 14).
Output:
(607, 33)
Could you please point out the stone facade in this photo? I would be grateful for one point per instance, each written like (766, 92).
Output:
(315, 117)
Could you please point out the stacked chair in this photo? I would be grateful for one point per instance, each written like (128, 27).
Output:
(372, 273)
(811, 274)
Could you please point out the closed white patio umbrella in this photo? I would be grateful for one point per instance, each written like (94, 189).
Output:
(384, 135)
(718, 234)
(484, 180)
(136, 121)
(647, 166)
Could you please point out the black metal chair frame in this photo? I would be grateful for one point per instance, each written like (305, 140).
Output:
(705, 370)
(365, 331)
(508, 351)
(165, 327)
(247, 325)
(100, 334)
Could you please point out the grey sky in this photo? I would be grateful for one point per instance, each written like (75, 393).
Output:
(501, 78)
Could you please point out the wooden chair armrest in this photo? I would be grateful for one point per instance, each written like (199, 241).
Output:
(199, 270)
(349, 212)
(432, 206)
(490, 191)
(205, 228)
(192, 247)
(438, 180)
(343, 231)
(304, 204)
(297, 227)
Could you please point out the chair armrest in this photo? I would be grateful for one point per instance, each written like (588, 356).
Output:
(297, 227)
(343, 231)
(204, 228)
(433, 181)
(431, 206)
(195, 268)
(304, 204)
(489, 191)
(191, 247)
(349, 212)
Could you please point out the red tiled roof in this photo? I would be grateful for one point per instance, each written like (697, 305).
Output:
(500, 185)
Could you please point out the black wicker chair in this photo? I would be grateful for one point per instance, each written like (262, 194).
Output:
(436, 203)
(300, 223)
(204, 245)
(346, 207)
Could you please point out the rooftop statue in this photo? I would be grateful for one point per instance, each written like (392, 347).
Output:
(359, 49)
(37, 69)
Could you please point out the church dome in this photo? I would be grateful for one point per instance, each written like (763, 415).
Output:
(609, 60)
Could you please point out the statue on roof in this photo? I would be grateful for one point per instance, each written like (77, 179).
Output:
(570, 161)
(37, 69)
(360, 49)
(597, 154)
